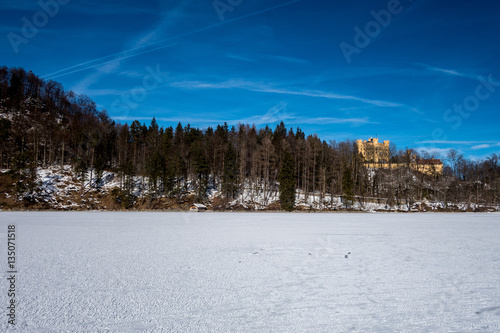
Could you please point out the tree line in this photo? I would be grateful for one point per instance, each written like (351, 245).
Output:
(43, 125)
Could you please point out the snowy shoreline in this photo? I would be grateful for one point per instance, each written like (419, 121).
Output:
(58, 189)
(305, 212)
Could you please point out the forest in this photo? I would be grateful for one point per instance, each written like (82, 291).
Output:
(43, 125)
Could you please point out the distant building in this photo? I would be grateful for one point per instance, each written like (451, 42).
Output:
(429, 166)
(374, 151)
(376, 155)
(196, 207)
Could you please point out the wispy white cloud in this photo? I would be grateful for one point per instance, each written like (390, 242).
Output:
(333, 120)
(168, 17)
(451, 142)
(436, 152)
(322, 94)
(109, 64)
(448, 72)
(82, 87)
(183, 120)
(101, 92)
(280, 112)
(266, 88)
(277, 113)
(240, 57)
(107, 8)
(445, 71)
(132, 74)
(157, 45)
(288, 59)
(485, 146)
(146, 43)
(274, 115)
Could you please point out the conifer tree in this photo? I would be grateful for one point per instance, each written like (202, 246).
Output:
(201, 171)
(230, 174)
(347, 185)
(286, 180)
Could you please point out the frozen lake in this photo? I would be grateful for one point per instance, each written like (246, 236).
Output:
(253, 272)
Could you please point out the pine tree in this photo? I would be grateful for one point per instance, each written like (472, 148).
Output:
(168, 169)
(201, 171)
(286, 180)
(347, 185)
(230, 174)
(128, 197)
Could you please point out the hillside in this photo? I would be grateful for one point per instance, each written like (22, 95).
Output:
(59, 188)
(55, 139)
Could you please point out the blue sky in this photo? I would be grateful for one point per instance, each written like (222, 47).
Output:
(423, 74)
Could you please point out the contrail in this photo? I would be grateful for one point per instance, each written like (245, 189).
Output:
(65, 70)
(107, 62)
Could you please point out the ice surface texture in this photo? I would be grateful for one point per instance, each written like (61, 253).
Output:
(260, 272)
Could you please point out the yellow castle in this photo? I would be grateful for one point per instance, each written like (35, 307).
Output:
(376, 155)
(374, 151)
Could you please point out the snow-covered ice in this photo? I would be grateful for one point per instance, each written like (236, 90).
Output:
(254, 272)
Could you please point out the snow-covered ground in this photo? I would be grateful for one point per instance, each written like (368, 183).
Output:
(254, 272)
(60, 188)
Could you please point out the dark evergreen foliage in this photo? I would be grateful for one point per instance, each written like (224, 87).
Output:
(347, 186)
(287, 182)
(230, 183)
(43, 125)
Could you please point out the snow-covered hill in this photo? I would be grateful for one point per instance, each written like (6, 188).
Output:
(61, 188)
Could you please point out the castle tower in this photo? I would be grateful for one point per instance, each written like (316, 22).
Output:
(374, 151)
